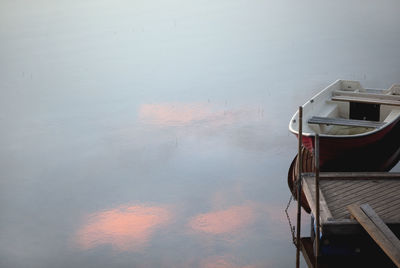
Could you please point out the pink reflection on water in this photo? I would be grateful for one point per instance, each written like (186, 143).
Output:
(126, 228)
(169, 114)
(223, 262)
(224, 221)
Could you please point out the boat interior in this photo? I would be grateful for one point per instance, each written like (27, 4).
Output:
(346, 108)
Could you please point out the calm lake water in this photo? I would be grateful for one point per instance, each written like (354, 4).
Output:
(154, 133)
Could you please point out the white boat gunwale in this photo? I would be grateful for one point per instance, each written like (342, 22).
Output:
(335, 88)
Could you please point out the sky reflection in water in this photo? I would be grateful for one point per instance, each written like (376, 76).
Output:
(192, 114)
(127, 228)
(223, 221)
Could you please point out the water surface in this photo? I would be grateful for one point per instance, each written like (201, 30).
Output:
(154, 133)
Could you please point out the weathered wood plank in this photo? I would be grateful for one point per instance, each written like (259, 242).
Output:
(393, 215)
(366, 100)
(357, 191)
(344, 122)
(366, 187)
(378, 222)
(338, 185)
(309, 191)
(388, 213)
(359, 188)
(385, 197)
(338, 195)
(378, 230)
(355, 175)
(366, 95)
(338, 205)
(393, 205)
(387, 206)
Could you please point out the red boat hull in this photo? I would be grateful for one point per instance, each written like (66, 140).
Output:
(378, 151)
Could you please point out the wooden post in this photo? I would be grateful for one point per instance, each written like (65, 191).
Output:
(300, 137)
(317, 212)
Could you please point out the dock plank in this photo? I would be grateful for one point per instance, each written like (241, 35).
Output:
(366, 187)
(368, 191)
(364, 191)
(379, 222)
(355, 175)
(389, 207)
(385, 197)
(378, 230)
(390, 203)
(309, 190)
(338, 186)
(379, 201)
(340, 189)
(348, 189)
(341, 212)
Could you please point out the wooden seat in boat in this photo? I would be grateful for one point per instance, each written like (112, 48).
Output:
(344, 122)
(366, 99)
(367, 95)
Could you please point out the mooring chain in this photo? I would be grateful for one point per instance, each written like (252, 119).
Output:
(292, 228)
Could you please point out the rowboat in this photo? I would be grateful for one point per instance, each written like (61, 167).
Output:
(359, 128)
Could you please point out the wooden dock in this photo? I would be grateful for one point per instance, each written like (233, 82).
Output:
(357, 215)
(345, 201)
(339, 190)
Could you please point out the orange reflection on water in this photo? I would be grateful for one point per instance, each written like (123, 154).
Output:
(170, 114)
(224, 221)
(178, 113)
(223, 262)
(127, 228)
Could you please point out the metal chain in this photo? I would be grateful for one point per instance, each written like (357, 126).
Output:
(292, 228)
